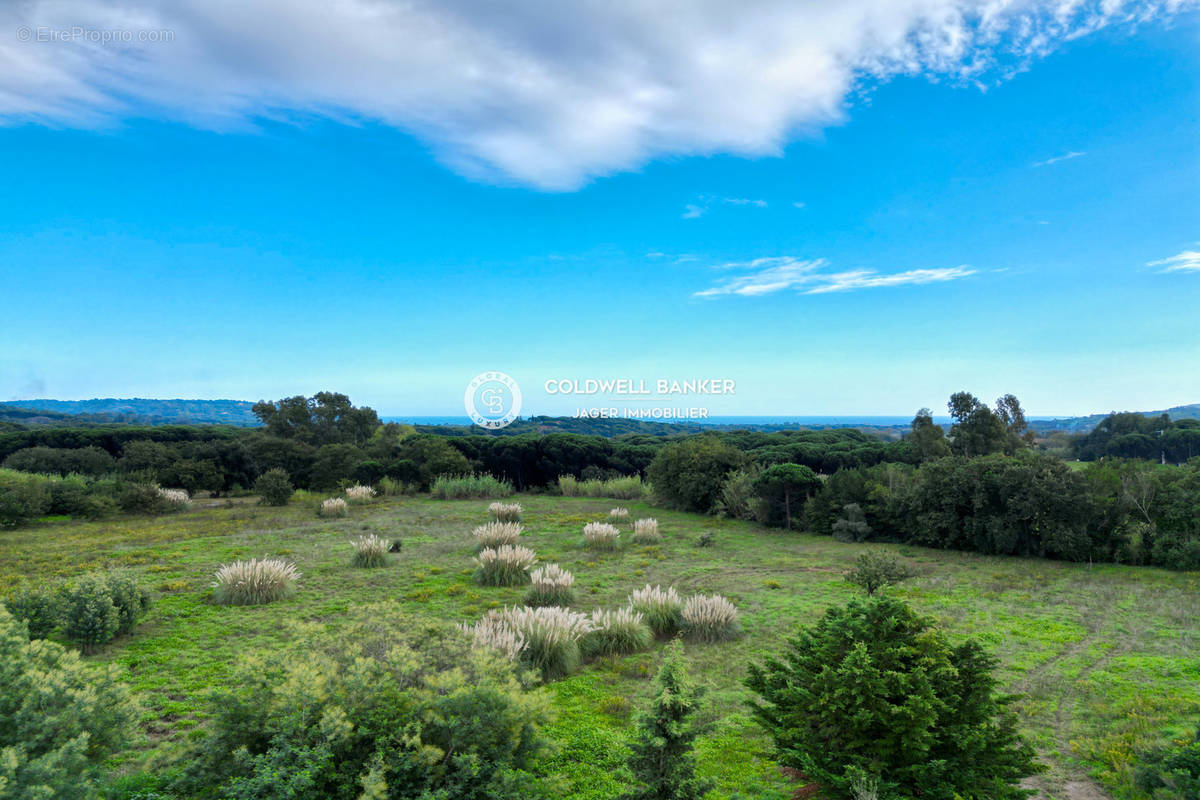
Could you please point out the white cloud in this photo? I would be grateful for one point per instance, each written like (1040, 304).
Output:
(1056, 159)
(768, 275)
(1187, 261)
(798, 204)
(525, 91)
(693, 211)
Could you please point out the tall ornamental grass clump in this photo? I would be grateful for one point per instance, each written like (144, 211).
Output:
(601, 536)
(369, 551)
(629, 487)
(552, 637)
(494, 633)
(645, 531)
(176, 499)
(551, 585)
(463, 487)
(495, 534)
(505, 512)
(710, 618)
(506, 565)
(254, 582)
(616, 633)
(333, 507)
(661, 608)
(618, 515)
(359, 493)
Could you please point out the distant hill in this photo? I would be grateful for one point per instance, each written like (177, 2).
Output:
(135, 410)
(1085, 424)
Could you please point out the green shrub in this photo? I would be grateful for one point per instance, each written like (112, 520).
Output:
(552, 636)
(874, 691)
(254, 582)
(461, 487)
(616, 633)
(876, 569)
(389, 707)
(23, 497)
(738, 499)
(1171, 772)
(689, 474)
(38, 607)
(131, 600)
(59, 720)
(142, 498)
(90, 617)
(274, 487)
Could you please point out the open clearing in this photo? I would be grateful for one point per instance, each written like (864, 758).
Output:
(1107, 658)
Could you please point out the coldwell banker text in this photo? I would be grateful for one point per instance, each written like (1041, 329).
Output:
(643, 390)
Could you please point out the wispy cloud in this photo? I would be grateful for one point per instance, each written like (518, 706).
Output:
(769, 275)
(1187, 261)
(542, 94)
(705, 202)
(1056, 159)
(798, 204)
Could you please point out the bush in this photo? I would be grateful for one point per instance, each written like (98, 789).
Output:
(274, 487)
(131, 600)
(254, 582)
(645, 531)
(874, 690)
(1171, 772)
(60, 719)
(90, 617)
(390, 707)
(550, 586)
(709, 618)
(38, 607)
(505, 512)
(662, 762)
(506, 565)
(689, 474)
(23, 497)
(142, 498)
(463, 487)
(360, 493)
(876, 569)
(739, 499)
(333, 507)
(616, 633)
(494, 633)
(852, 525)
(176, 499)
(601, 536)
(494, 534)
(618, 514)
(661, 608)
(370, 551)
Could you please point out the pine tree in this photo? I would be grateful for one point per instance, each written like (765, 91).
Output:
(663, 763)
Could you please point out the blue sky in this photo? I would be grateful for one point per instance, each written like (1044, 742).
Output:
(869, 249)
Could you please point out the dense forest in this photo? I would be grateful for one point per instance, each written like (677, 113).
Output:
(980, 485)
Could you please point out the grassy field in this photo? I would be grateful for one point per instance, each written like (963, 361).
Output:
(1107, 658)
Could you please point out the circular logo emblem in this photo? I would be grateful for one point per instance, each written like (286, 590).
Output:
(492, 400)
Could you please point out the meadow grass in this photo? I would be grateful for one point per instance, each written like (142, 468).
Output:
(1107, 658)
